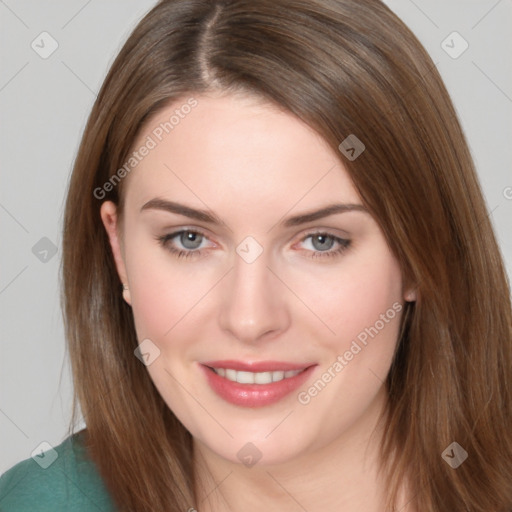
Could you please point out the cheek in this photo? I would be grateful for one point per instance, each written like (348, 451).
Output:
(166, 292)
(158, 290)
(358, 300)
(362, 304)
(371, 300)
(357, 309)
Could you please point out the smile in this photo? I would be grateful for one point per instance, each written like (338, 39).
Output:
(255, 384)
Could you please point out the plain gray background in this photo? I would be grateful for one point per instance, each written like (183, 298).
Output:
(44, 105)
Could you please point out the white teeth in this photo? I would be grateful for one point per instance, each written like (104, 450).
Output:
(255, 377)
(230, 374)
(245, 377)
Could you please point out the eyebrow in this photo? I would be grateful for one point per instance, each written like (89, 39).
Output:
(211, 218)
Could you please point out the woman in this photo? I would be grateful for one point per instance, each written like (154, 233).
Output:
(281, 286)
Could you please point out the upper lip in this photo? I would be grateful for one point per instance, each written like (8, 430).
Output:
(257, 366)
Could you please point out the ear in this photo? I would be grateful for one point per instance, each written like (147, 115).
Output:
(109, 217)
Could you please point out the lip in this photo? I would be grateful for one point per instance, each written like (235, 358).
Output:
(255, 395)
(256, 366)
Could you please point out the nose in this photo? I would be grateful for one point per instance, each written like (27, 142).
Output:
(253, 301)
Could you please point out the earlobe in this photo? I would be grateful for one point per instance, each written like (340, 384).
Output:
(109, 217)
(410, 295)
(126, 294)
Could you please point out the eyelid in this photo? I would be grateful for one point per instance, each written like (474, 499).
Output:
(175, 230)
(334, 232)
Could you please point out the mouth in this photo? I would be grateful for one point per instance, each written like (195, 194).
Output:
(255, 377)
(255, 384)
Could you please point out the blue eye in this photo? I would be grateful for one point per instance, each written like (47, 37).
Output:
(321, 244)
(189, 240)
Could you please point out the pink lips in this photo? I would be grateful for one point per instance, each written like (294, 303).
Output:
(255, 395)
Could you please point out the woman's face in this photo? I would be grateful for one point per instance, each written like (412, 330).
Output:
(231, 264)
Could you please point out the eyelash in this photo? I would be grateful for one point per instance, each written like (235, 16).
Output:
(180, 253)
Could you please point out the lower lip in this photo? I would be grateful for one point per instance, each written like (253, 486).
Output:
(254, 395)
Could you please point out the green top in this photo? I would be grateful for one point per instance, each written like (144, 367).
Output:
(59, 479)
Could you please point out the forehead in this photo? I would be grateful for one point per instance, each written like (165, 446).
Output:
(233, 151)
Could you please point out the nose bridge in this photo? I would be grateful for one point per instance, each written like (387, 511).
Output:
(252, 306)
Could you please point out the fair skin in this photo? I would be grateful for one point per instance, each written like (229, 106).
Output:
(254, 166)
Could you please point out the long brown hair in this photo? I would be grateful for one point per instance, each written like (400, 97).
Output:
(343, 67)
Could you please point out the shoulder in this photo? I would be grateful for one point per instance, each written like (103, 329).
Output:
(60, 479)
